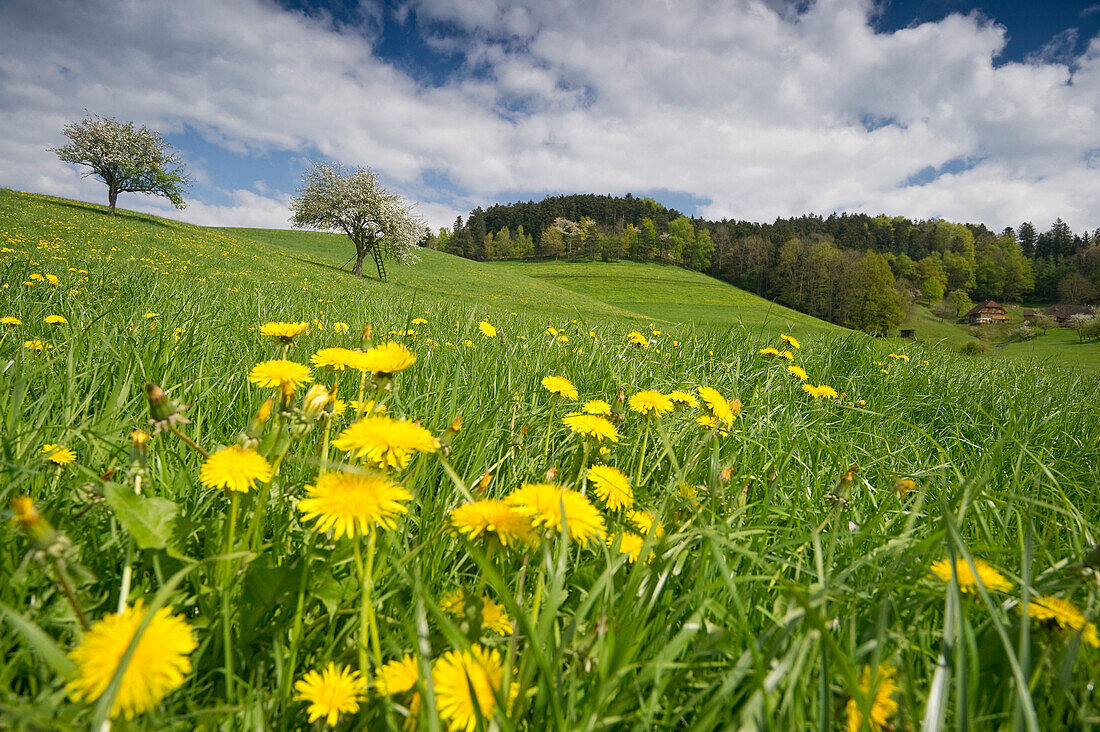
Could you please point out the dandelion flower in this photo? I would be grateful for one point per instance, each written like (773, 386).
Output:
(369, 406)
(903, 486)
(337, 359)
(397, 676)
(720, 408)
(650, 403)
(799, 372)
(769, 351)
(58, 454)
(330, 693)
(353, 504)
(10, 320)
(635, 338)
(493, 616)
(56, 319)
(487, 329)
(683, 399)
(340, 327)
(597, 406)
(630, 544)
(645, 522)
(150, 315)
(385, 442)
(492, 518)
(283, 332)
(591, 425)
(465, 684)
(37, 345)
(387, 358)
(968, 582)
(791, 341)
(280, 374)
(883, 705)
(159, 663)
(1065, 615)
(235, 468)
(52, 279)
(820, 392)
(419, 321)
(612, 487)
(560, 386)
(556, 509)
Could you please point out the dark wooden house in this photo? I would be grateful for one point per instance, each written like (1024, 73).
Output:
(986, 312)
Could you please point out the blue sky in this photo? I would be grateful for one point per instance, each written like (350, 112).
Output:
(752, 109)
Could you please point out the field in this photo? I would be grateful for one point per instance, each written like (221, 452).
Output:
(751, 556)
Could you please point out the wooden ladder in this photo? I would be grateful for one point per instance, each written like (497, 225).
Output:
(379, 263)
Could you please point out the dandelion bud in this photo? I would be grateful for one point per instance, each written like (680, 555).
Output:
(38, 529)
(265, 411)
(139, 446)
(483, 484)
(314, 402)
(159, 407)
(724, 476)
(850, 474)
(904, 485)
(453, 429)
(551, 475)
(366, 333)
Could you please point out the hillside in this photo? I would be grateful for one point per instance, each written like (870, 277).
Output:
(657, 534)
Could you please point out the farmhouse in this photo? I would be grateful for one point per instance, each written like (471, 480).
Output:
(1062, 313)
(986, 312)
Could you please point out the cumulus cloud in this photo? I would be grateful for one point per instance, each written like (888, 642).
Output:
(760, 109)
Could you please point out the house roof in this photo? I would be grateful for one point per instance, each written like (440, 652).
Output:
(982, 306)
(1065, 311)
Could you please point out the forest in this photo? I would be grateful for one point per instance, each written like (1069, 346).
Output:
(856, 270)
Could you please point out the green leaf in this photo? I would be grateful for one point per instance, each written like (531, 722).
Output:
(147, 518)
(37, 639)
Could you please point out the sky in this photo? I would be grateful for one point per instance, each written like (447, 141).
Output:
(984, 112)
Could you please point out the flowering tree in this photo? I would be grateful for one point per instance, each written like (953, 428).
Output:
(127, 159)
(378, 223)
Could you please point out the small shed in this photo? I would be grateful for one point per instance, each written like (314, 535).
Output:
(909, 333)
(986, 312)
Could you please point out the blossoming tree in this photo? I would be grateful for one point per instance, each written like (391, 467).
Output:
(380, 224)
(127, 159)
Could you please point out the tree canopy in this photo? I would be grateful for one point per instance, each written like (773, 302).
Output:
(127, 159)
(380, 224)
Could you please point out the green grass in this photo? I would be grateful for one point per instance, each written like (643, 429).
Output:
(668, 293)
(787, 565)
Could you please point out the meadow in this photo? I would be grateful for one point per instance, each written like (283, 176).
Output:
(245, 490)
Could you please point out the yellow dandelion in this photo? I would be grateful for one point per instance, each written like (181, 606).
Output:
(52, 279)
(385, 442)
(597, 406)
(645, 522)
(330, 693)
(560, 386)
(419, 321)
(787, 355)
(611, 486)
(158, 665)
(706, 420)
(630, 544)
(683, 399)
(720, 408)
(37, 345)
(10, 320)
(1065, 615)
(492, 519)
(635, 338)
(235, 468)
(337, 359)
(283, 332)
(650, 403)
(903, 486)
(591, 425)
(353, 504)
(465, 684)
(56, 319)
(386, 358)
(883, 705)
(397, 677)
(820, 392)
(791, 341)
(280, 374)
(369, 406)
(150, 315)
(799, 372)
(968, 582)
(487, 329)
(340, 327)
(559, 509)
(58, 454)
(493, 616)
(769, 351)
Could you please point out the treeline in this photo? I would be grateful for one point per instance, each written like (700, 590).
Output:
(857, 270)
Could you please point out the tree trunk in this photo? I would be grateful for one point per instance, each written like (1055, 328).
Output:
(112, 196)
(358, 268)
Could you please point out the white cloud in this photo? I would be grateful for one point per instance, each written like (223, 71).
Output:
(755, 107)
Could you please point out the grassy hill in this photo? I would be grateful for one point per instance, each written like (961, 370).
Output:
(758, 553)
